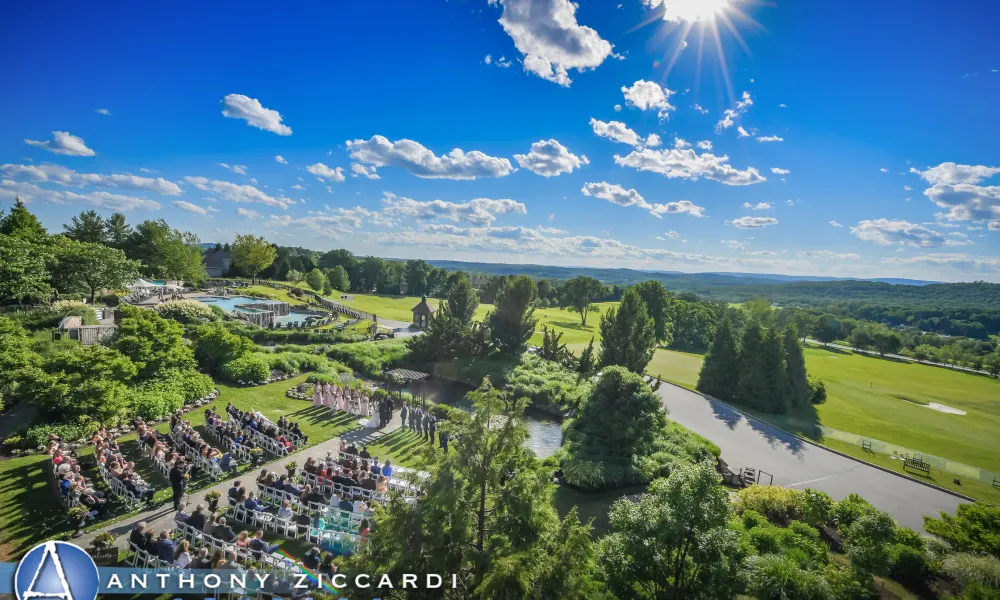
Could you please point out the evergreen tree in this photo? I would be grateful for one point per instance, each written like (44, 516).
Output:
(512, 321)
(20, 222)
(720, 373)
(552, 348)
(655, 296)
(588, 361)
(763, 373)
(88, 226)
(463, 300)
(117, 231)
(747, 385)
(797, 377)
(628, 334)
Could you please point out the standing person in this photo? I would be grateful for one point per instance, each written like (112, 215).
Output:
(426, 423)
(177, 482)
(433, 428)
(402, 414)
(415, 419)
(443, 439)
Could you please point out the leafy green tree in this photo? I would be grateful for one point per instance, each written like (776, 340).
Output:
(692, 324)
(974, 528)
(657, 303)
(759, 309)
(862, 336)
(316, 279)
(992, 364)
(579, 294)
(21, 223)
(628, 334)
(867, 542)
(91, 385)
(512, 322)
(416, 274)
(372, 272)
(16, 355)
(587, 363)
(673, 543)
(486, 517)
(339, 279)
(91, 266)
(155, 344)
(463, 300)
(797, 377)
(720, 372)
(23, 273)
(88, 227)
(165, 252)
(826, 328)
(252, 254)
(117, 231)
(294, 276)
(214, 345)
(886, 341)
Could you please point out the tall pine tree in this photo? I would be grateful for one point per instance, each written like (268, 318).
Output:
(795, 362)
(628, 334)
(746, 388)
(512, 321)
(720, 373)
(772, 395)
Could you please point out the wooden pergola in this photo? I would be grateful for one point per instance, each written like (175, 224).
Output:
(399, 379)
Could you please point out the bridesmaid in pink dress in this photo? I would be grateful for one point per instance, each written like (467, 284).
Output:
(317, 395)
(342, 401)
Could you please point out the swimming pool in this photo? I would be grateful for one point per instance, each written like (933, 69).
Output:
(228, 304)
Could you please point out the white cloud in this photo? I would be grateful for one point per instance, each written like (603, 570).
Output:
(687, 164)
(64, 176)
(547, 34)
(420, 161)
(480, 211)
(616, 131)
(744, 248)
(701, 109)
(673, 235)
(960, 262)
(246, 212)
(966, 201)
(753, 222)
(907, 188)
(779, 171)
(731, 114)
(618, 107)
(238, 193)
(238, 106)
(501, 62)
(950, 173)
(323, 172)
(679, 143)
(827, 254)
(890, 232)
(770, 138)
(619, 195)
(103, 111)
(884, 170)
(238, 169)
(994, 226)
(742, 132)
(280, 159)
(549, 158)
(758, 206)
(64, 143)
(835, 224)
(29, 191)
(782, 106)
(144, 170)
(184, 205)
(363, 171)
(649, 95)
(790, 202)
(298, 187)
(653, 140)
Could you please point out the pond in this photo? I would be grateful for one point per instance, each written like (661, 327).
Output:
(544, 430)
(228, 304)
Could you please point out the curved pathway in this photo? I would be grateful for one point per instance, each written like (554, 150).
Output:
(749, 442)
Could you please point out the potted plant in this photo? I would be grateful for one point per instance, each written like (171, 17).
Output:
(256, 456)
(290, 467)
(78, 519)
(102, 540)
(213, 500)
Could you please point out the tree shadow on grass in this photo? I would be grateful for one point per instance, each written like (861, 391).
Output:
(573, 325)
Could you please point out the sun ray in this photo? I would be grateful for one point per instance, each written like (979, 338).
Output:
(736, 34)
(722, 61)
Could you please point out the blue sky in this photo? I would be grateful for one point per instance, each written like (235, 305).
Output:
(576, 145)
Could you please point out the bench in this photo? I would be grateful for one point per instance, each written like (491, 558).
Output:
(917, 464)
(996, 482)
(866, 445)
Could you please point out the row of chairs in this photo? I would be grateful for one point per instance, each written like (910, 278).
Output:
(334, 517)
(295, 440)
(118, 489)
(397, 470)
(328, 487)
(270, 563)
(260, 439)
(196, 459)
(68, 501)
(338, 542)
(241, 453)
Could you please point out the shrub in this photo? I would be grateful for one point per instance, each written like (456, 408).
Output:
(972, 570)
(215, 345)
(547, 384)
(752, 518)
(816, 507)
(779, 577)
(780, 505)
(105, 539)
(247, 368)
(817, 390)
(294, 362)
(849, 510)
(329, 373)
(13, 441)
(448, 413)
(39, 435)
(973, 528)
(46, 318)
(187, 311)
(370, 358)
(908, 565)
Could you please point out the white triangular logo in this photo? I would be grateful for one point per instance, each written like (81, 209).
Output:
(51, 554)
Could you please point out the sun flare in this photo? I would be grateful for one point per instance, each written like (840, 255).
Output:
(694, 10)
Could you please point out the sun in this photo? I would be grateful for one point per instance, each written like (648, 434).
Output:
(694, 10)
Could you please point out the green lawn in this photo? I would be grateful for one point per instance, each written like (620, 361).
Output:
(396, 308)
(30, 513)
(886, 400)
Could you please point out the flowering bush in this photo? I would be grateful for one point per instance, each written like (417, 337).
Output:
(186, 311)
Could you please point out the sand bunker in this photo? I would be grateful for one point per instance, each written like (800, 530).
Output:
(945, 409)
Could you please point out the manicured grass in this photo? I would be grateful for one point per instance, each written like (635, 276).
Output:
(887, 400)
(397, 308)
(30, 512)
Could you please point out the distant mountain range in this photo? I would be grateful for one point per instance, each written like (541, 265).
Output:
(626, 276)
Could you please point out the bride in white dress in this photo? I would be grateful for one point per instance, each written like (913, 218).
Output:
(373, 421)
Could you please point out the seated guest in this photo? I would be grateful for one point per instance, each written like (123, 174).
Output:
(335, 499)
(312, 559)
(257, 544)
(262, 477)
(327, 568)
(368, 482)
(352, 449)
(149, 541)
(234, 493)
(346, 504)
(210, 525)
(359, 505)
(180, 516)
(310, 495)
(297, 431)
(285, 512)
(227, 463)
(364, 452)
(202, 561)
(310, 466)
(197, 518)
(224, 532)
(251, 503)
(290, 487)
(387, 468)
(165, 548)
(182, 556)
(243, 540)
(135, 537)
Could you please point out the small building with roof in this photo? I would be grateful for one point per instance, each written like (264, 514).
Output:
(423, 314)
(216, 262)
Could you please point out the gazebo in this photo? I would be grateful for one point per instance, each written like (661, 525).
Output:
(398, 379)
(423, 314)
